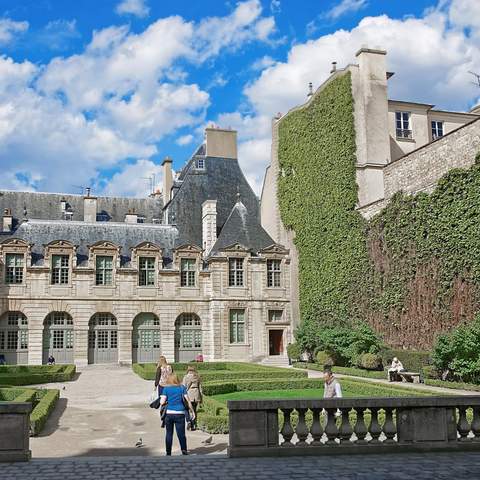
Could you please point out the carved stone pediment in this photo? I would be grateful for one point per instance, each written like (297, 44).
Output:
(276, 248)
(235, 247)
(190, 248)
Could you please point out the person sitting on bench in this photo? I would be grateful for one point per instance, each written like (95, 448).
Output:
(394, 370)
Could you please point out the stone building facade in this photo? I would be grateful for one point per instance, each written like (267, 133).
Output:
(184, 272)
(400, 146)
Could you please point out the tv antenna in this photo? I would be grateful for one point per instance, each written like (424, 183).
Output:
(477, 78)
(82, 189)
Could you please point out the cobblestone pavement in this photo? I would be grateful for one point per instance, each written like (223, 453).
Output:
(438, 466)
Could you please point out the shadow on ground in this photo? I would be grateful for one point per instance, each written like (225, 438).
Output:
(53, 421)
(117, 452)
(220, 447)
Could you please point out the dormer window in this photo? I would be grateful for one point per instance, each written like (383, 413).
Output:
(273, 273)
(200, 163)
(60, 269)
(14, 268)
(402, 124)
(187, 272)
(146, 271)
(103, 270)
(235, 272)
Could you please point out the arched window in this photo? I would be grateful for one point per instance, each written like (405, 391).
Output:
(58, 337)
(103, 339)
(188, 337)
(14, 338)
(146, 338)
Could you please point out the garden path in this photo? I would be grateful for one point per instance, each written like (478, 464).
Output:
(415, 386)
(104, 412)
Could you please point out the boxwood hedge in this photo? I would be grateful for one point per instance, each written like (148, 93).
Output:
(33, 374)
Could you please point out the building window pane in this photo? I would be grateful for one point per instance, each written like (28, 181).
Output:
(103, 270)
(58, 337)
(113, 339)
(91, 339)
(437, 129)
(13, 268)
(69, 339)
(156, 339)
(2, 340)
(147, 271)
(12, 339)
(237, 326)
(187, 272)
(402, 124)
(235, 272)
(60, 269)
(275, 315)
(23, 345)
(273, 273)
(102, 339)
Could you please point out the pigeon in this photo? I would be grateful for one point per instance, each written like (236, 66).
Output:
(139, 443)
(64, 388)
(208, 440)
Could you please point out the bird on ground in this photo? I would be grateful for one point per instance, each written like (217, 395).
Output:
(64, 388)
(139, 443)
(208, 440)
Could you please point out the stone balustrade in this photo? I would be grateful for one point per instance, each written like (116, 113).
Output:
(15, 432)
(353, 425)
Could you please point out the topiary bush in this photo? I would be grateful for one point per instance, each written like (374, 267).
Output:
(294, 351)
(370, 361)
(323, 358)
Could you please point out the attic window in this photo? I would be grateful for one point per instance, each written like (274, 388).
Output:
(200, 163)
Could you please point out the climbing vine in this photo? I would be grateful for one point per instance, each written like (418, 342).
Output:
(317, 197)
(412, 272)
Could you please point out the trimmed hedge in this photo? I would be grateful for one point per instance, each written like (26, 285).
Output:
(47, 400)
(17, 395)
(412, 360)
(32, 375)
(227, 372)
(354, 372)
(457, 385)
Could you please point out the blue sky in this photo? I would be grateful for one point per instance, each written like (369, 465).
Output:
(98, 92)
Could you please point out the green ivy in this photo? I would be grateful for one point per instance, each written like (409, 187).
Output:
(412, 272)
(317, 197)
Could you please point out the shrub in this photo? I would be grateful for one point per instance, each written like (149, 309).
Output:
(412, 360)
(458, 352)
(46, 403)
(32, 375)
(430, 371)
(294, 351)
(323, 358)
(370, 361)
(213, 423)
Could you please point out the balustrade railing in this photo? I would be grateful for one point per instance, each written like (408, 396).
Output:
(353, 425)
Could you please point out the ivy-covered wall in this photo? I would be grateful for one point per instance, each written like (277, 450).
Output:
(412, 272)
(317, 195)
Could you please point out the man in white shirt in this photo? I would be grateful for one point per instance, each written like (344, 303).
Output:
(332, 387)
(394, 369)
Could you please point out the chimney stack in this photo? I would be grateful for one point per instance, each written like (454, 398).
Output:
(209, 225)
(131, 216)
(221, 143)
(167, 179)
(89, 207)
(334, 67)
(7, 220)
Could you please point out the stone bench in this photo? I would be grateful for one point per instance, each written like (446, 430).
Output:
(15, 432)
(410, 377)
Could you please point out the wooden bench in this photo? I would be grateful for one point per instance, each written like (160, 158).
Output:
(410, 377)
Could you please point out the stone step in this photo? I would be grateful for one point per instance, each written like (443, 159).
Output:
(276, 360)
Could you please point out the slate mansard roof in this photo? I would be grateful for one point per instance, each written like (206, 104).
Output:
(46, 206)
(242, 228)
(84, 234)
(220, 179)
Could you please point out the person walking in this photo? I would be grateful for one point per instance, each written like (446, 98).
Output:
(193, 385)
(332, 388)
(174, 395)
(162, 373)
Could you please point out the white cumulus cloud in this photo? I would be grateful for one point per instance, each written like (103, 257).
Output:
(10, 28)
(138, 8)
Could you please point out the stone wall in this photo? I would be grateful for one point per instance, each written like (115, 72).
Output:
(421, 169)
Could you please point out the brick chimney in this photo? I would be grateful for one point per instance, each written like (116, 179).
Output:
(89, 207)
(167, 179)
(131, 217)
(209, 225)
(7, 220)
(221, 143)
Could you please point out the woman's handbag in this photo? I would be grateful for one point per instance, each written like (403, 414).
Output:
(155, 400)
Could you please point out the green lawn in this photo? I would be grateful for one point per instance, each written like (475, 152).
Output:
(270, 395)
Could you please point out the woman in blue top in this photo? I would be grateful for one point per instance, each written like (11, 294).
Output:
(174, 395)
